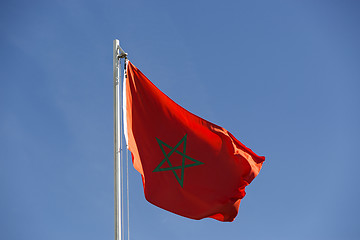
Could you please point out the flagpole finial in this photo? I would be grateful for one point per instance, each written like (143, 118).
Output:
(120, 53)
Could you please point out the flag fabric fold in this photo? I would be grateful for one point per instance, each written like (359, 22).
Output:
(189, 166)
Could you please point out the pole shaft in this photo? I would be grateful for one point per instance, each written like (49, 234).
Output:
(117, 139)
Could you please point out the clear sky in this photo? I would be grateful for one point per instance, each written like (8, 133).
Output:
(282, 76)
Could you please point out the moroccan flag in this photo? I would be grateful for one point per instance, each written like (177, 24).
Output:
(189, 166)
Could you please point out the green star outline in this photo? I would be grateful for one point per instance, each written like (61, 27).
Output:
(184, 156)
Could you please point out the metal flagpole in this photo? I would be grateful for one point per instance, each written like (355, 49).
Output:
(118, 53)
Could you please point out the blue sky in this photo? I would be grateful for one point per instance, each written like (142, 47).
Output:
(282, 76)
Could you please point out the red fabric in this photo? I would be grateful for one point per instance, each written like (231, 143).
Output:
(213, 168)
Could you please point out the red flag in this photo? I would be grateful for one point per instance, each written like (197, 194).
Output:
(189, 166)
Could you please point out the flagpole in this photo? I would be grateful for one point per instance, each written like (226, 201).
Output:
(118, 53)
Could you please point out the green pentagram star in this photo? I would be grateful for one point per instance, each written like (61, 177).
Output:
(173, 168)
